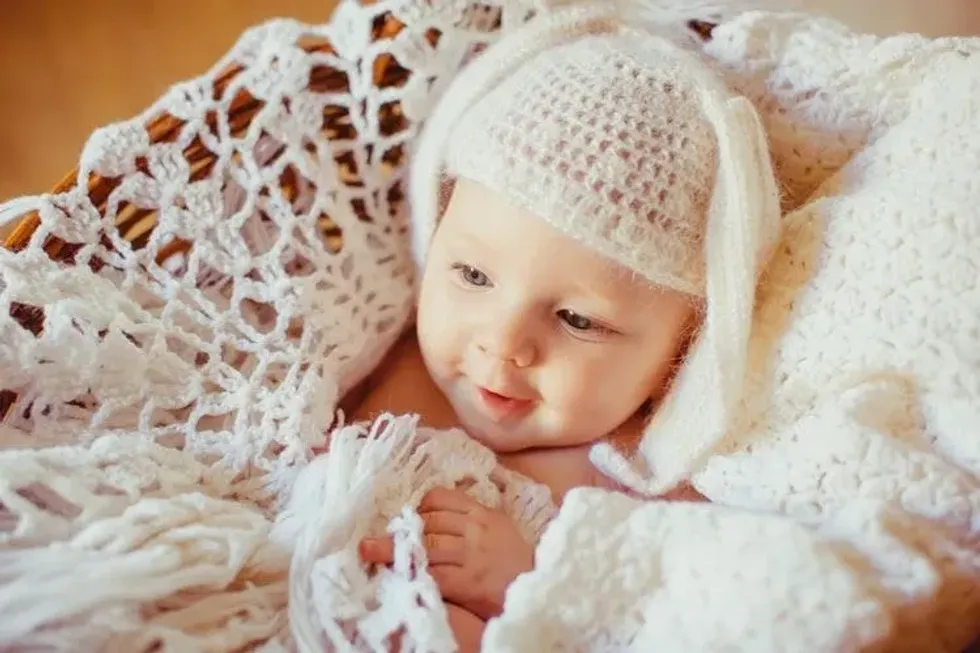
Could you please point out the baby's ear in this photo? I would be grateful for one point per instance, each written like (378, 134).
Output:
(703, 29)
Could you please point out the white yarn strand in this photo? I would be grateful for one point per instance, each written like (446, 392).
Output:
(13, 210)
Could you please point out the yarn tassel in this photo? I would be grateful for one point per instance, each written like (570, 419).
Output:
(153, 551)
(326, 509)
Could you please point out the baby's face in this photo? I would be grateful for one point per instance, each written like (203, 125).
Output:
(536, 340)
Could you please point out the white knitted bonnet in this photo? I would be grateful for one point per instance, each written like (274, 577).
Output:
(629, 144)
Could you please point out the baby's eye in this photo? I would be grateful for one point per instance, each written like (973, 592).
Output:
(576, 321)
(472, 276)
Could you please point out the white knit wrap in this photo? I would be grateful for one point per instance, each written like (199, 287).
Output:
(626, 142)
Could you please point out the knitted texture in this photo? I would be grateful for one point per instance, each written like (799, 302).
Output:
(150, 418)
(823, 92)
(609, 148)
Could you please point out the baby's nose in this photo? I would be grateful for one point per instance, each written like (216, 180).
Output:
(511, 345)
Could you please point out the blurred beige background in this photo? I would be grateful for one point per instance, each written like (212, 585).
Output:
(68, 66)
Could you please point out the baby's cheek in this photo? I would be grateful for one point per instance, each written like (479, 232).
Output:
(577, 399)
(592, 400)
(433, 339)
(437, 347)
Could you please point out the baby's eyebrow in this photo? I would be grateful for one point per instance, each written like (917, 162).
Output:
(601, 300)
(464, 237)
(476, 251)
(611, 281)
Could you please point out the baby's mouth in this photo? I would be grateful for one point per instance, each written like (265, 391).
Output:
(502, 406)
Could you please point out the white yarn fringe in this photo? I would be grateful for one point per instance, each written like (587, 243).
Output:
(327, 515)
(13, 210)
(97, 586)
(155, 551)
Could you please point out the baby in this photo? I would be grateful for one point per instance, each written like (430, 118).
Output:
(591, 209)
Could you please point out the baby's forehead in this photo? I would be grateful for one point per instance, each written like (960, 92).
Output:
(606, 278)
(549, 261)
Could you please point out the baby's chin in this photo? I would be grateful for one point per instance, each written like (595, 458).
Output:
(509, 438)
(498, 439)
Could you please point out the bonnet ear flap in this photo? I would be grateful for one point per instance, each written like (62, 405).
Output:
(741, 231)
(476, 80)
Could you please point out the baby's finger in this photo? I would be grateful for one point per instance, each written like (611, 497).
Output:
(444, 521)
(444, 549)
(380, 550)
(443, 498)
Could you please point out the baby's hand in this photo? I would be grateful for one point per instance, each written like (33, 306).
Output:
(474, 552)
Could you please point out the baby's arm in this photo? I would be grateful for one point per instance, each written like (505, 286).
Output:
(467, 628)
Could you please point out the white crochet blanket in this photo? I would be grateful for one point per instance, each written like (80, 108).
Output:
(158, 484)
